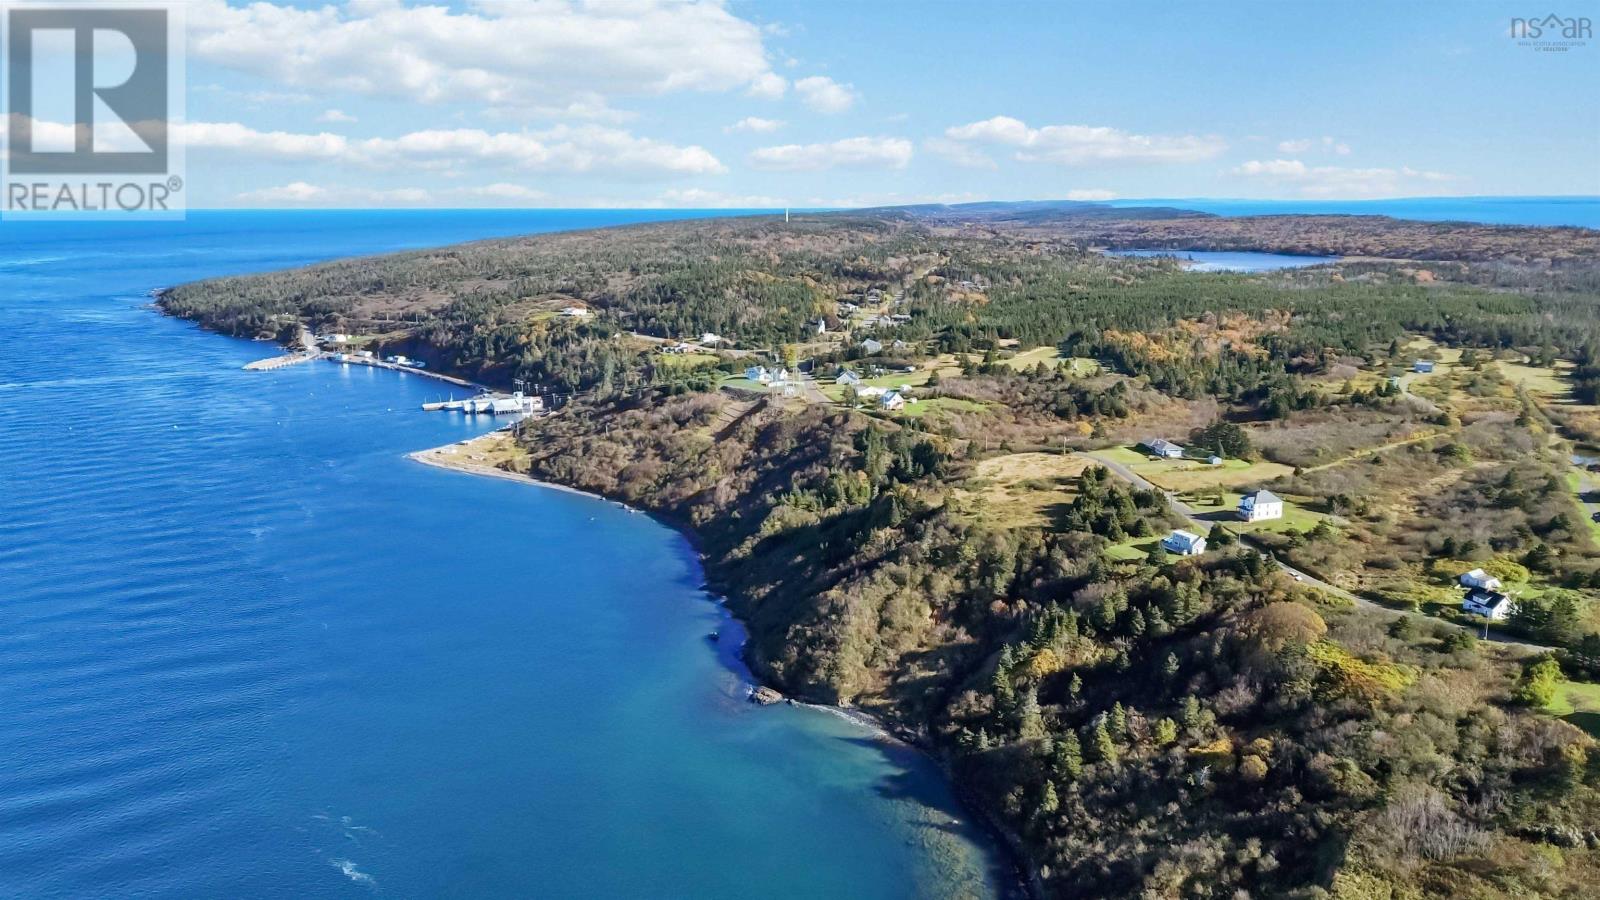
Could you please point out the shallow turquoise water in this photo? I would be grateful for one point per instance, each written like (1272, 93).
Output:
(1232, 260)
(247, 649)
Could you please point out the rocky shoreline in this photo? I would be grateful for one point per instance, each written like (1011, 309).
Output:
(1026, 881)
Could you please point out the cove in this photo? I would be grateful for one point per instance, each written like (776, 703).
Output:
(248, 649)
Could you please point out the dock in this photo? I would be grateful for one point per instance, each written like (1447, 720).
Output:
(278, 362)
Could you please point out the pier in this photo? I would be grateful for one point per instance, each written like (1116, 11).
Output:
(278, 362)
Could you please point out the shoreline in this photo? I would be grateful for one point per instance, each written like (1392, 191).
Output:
(1024, 877)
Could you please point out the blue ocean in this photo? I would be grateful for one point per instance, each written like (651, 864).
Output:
(1578, 210)
(249, 649)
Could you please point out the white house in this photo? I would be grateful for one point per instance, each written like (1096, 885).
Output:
(1478, 578)
(339, 338)
(870, 393)
(847, 377)
(1260, 506)
(710, 339)
(758, 373)
(872, 346)
(822, 326)
(1184, 543)
(1490, 604)
(892, 401)
(575, 312)
(1164, 448)
(780, 376)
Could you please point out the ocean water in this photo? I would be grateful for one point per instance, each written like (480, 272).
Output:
(1232, 260)
(248, 649)
(1583, 211)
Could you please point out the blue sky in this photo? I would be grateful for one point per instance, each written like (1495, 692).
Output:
(824, 103)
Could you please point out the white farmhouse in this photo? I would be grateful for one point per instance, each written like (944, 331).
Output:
(1260, 506)
(1184, 543)
(892, 401)
(847, 377)
(1478, 578)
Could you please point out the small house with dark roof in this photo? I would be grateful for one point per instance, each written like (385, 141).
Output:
(1486, 603)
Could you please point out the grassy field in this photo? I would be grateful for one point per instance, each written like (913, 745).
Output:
(893, 381)
(936, 404)
(1027, 359)
(739, 382)
(685, 361)
(1021, 490)
(1578, 702)
(1550, 383)
(1295, 517)
(1193, 475)
(1133, 549)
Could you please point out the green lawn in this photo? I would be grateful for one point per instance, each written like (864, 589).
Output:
(1575, 480)
(1132, 549)
(1578, 702)
(1295, 517)
(1125, 455)
(685, 361)
(739, 382)
(1027, 359)
(935, 404)
(893, 381)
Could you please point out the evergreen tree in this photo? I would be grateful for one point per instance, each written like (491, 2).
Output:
(1069, 756)
(1105, 749)
(1030, 720)
(1050, 803)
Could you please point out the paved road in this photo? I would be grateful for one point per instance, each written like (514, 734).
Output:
(1187, 512)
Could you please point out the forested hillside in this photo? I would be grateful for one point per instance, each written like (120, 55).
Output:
(936, 459)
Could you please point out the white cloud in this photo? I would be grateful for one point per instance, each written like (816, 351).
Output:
(1301, 145)
(754, 124)
(498, 195)
(1081, 144)
(505, 191)
(849, 153)
(825, 95)
(959, 153)
(1091, 195)
(292, 194)
(768, 86)
(302, 194)
(563, 148)
(335, 117)
(697, 198)
(495, 52)
(1339, 182)
(892, 198)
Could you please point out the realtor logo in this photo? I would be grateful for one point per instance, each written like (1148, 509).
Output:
(1552, 33)
(91, 100)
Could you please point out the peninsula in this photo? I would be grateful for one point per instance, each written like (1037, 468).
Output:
(1187, 575)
